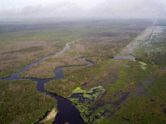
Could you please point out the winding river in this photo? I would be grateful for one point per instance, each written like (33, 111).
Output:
(67, 112)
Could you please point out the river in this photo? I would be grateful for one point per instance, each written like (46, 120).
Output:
(67, 112)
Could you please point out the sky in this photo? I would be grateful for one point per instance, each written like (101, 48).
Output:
(82, 8)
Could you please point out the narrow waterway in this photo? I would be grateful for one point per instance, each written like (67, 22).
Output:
(16, 75)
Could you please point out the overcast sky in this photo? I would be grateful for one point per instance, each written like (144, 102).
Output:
(82, 8)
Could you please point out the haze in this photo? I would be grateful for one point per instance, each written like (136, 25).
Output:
(82, 9)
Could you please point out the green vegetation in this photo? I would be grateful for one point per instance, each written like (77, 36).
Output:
(20, 103)
(108, 92)
(142, 65)
(84, 100)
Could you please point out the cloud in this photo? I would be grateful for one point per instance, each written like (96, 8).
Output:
(131, 8)
(79, 9)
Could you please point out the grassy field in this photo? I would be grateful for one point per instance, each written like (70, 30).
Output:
(20, 103)
(135, 91)
(128, 92)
